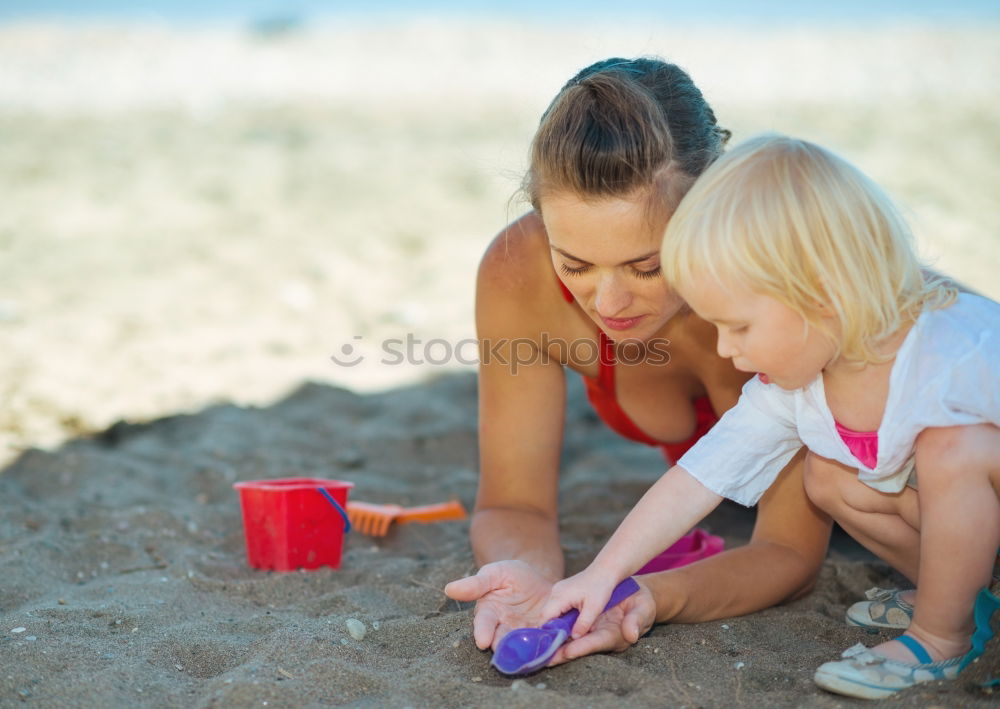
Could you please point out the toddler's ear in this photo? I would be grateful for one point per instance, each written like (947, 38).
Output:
(824, 309)
(824, 306)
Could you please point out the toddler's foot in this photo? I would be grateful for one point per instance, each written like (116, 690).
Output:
(885, 608)
(882, 671)
(907, 648)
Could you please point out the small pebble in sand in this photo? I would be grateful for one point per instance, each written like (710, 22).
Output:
(30, 638)
(540, 685)
(62, 601)
(19, 629)
(725, 627)
(180, 668)
(518, 684)
(477, 679)
(740, 665)
(356, 628)
(456, 643)
(656, 650)
(374, 625)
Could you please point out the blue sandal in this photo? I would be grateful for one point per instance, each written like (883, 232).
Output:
(866, 675)
(987, 605)
(863, 674)
(883, 609)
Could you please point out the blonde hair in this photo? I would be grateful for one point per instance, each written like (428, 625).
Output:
(791, 220)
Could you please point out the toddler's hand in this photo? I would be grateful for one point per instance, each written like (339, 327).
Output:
(588, 591)
(616, 629)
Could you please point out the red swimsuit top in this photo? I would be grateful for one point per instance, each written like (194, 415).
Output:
(602, 396)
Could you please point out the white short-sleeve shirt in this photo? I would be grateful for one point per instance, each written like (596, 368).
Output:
(946, 373)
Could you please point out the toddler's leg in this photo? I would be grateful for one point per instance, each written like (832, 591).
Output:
(886, 524)
(958, 476)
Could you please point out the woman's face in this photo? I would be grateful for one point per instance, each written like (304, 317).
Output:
(607, 253)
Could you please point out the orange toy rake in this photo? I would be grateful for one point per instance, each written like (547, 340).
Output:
(374, 520)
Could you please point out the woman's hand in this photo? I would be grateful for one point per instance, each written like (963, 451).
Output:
(508, 595)
(511, 594)
(616, 629)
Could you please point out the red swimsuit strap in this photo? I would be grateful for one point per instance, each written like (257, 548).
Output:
(606, 367)
(606, 356)
(565, 291)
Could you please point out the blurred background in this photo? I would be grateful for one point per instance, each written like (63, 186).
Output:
(206, 201)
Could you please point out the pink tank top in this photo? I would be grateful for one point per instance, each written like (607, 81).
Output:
(864, 445)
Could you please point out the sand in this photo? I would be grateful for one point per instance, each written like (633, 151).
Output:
(122, 559)
(195, 222)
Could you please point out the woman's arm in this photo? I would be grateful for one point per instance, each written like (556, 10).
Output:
(520, 429)
(522, 400)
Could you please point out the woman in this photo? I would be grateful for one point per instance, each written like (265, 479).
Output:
(616, 150)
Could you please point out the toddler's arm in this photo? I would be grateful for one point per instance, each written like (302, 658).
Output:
(668, 510)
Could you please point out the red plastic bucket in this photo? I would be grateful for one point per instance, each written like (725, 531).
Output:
(291, 524)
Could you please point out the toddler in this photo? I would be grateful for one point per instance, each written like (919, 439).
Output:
(888, 377)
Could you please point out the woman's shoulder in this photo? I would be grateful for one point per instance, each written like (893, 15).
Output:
(516, 283)
(517, 255)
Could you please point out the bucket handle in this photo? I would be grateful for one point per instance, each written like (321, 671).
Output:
(336, 505)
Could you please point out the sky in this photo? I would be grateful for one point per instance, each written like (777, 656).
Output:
(721, 11)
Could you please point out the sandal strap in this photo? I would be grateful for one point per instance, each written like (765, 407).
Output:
(986, 605)
(923, 657)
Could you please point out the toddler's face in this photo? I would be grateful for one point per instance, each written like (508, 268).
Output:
(761, 334)
(607, 253)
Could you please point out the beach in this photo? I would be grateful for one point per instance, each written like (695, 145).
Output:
(197, 222)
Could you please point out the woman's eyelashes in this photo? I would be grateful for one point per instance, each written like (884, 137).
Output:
(638, 272)
(572, 270)
(647, 273)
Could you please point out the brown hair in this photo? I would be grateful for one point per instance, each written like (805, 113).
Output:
(623, 125)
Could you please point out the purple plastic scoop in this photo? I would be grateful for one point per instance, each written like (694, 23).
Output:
(524, 650)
